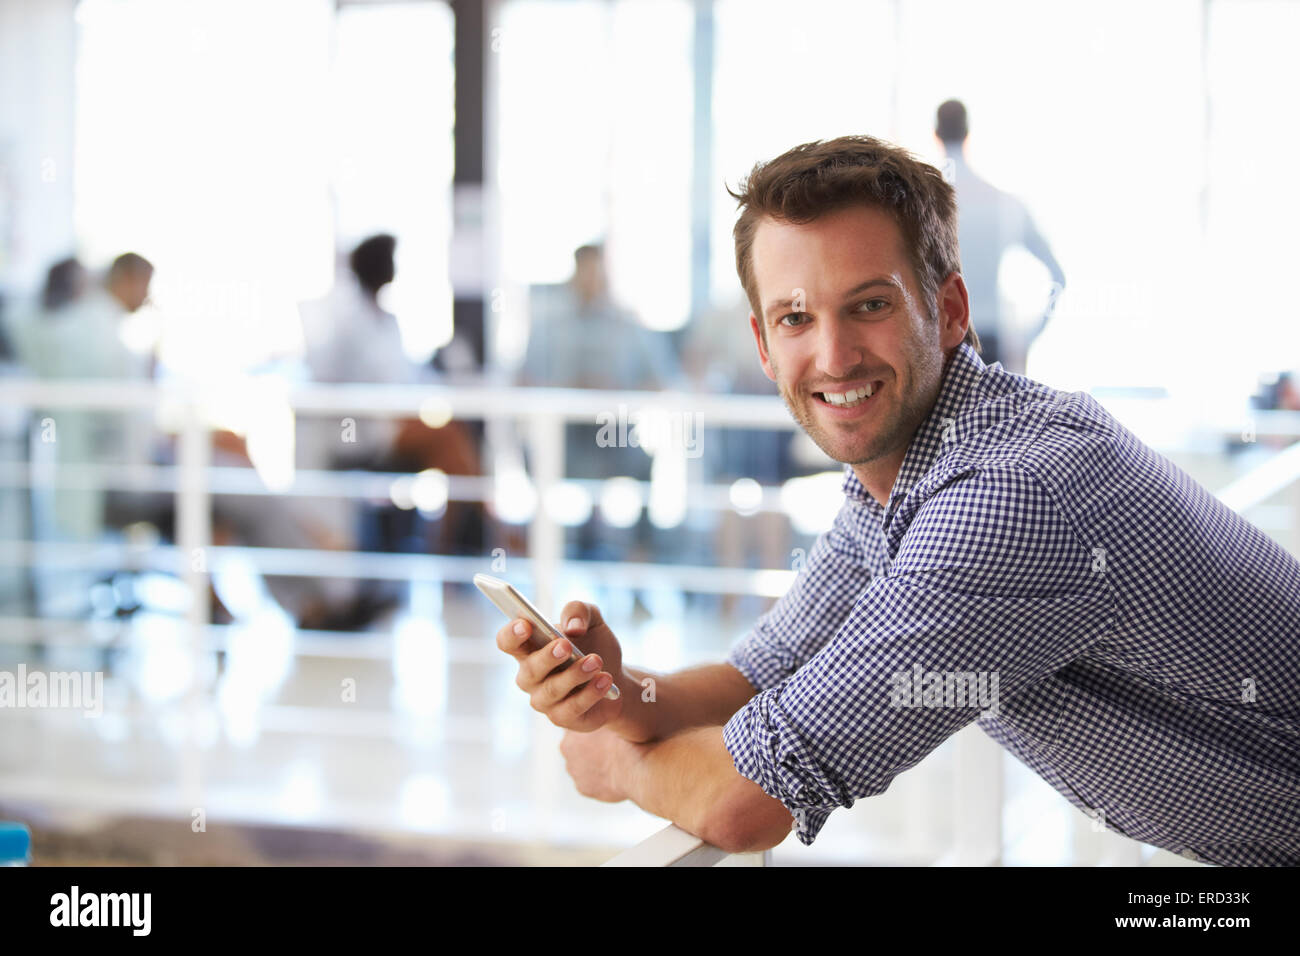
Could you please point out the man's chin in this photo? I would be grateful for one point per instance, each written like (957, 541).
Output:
(847, 453)
(858, 458)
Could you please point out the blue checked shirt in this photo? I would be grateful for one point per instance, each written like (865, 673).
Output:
(1039, 570)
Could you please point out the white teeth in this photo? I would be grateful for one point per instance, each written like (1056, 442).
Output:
(848, 398)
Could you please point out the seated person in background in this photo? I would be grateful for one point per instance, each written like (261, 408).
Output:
(581, 338)
(77, 335)
(354, 340)
(65, 283)
(1288, 395)
(1277, 392)
(350, 338)
(722, 361)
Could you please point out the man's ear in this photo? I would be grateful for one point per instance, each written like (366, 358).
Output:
(762, 347)
(954, 312)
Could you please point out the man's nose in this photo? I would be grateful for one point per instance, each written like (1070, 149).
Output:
(838, 353)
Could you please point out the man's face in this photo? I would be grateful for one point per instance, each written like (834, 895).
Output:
(843, 312)
(132, 289)
(589, 277)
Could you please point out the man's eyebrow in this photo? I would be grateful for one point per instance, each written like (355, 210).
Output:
(777, 304)
(879, 280)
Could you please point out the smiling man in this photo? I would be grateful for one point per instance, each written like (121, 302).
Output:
(1141, 640)
(860, 404)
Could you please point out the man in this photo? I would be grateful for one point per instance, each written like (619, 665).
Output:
(1006, 553)
(992, 221)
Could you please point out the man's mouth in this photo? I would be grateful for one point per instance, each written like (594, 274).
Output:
(851, 398)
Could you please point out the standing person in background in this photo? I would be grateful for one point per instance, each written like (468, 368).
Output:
(990, 222)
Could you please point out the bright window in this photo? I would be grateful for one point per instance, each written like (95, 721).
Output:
(236, 143)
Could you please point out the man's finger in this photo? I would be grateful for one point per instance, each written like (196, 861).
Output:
(578, 617)
(583, 700)
(538, 665)
(561, 684)
(513, 639)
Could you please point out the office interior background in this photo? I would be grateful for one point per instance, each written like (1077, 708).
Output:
(263, 540)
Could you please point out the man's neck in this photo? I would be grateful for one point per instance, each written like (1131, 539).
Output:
(878, 476)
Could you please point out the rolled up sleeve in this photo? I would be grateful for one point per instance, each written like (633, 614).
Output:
(837, 569)
(990, 583)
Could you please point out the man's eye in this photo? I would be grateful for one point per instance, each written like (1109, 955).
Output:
(797, 316)
(882, 303)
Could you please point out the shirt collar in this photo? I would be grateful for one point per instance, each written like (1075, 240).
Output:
(961, 371)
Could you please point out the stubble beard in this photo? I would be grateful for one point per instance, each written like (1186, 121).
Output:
(888, 428)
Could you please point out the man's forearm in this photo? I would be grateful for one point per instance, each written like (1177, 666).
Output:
(689, 779)
(656, 706)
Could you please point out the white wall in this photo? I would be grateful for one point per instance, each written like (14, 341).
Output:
(37, 57)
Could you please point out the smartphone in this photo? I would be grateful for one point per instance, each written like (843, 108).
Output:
(514, 605)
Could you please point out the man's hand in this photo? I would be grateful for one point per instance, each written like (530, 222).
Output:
(599, 763)
(571, 696)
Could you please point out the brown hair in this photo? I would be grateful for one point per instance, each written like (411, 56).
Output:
(820, 177)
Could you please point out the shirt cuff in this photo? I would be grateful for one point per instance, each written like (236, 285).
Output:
(754, 657)
(742, 659)
(768, 749)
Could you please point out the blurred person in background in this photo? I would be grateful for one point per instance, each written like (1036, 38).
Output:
(1289, 393)
(721, 361)
(1277, 392)
(991, 221)
(1280, 394)
(77, 334)
(349, 338)
(580, 337)
(65, 282)
(355, 340)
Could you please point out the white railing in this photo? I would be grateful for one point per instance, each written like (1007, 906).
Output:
(673, 846)
(545, 410)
